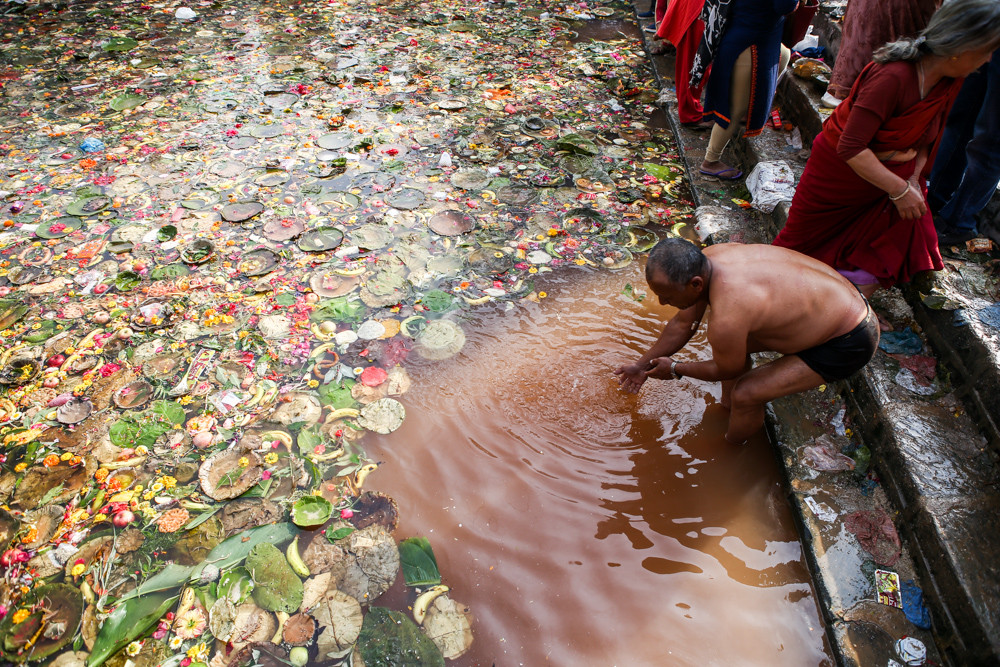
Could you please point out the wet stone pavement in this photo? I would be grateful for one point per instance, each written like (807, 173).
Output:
(225, 228)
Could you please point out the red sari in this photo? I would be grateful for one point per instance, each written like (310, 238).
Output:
(846, 222)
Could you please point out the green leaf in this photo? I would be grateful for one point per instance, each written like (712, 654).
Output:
(337, 396)
(171, 577)
(438, 301)
(127, 101)
(285, 299)
(50, 494)
(336, 534)
(311, 511)
(235, 549)
(235, 585)
(127, 280)
(202, 518)
(128, 621)
(276, 586)
(170, 412)
(308, 439)
(339, 309)
(166, 233)
(417, 560)
(659, 171)
(120, 44)
(124, 433)
(630, 292)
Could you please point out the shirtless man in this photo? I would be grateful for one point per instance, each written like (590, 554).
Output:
(763, 298)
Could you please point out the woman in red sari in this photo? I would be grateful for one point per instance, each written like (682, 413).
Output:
(861, 204)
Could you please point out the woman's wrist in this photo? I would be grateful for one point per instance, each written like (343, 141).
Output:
(902, 193)
(673, 370)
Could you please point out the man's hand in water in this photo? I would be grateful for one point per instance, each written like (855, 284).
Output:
(659, 368)
(631, 376)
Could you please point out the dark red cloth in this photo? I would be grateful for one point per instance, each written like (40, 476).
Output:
(846, 222)
(892, 115)
(868, 24)
(689, 108)
(843, 220)
(679, 17)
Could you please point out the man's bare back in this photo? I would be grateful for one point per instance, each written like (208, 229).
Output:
(784, 301)
(762, 298)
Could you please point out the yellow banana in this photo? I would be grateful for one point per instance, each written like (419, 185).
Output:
(284, 438)
(187, 601)
(477, 302)
(127, 463)
(424, 601)
(89, 338)
(342, 413)
(350, 272)
(329, 456)
(319, 332)
(258, 393)
(9, 353)
(282, 619)
(321, 349)
(295, 559)
(361, 475)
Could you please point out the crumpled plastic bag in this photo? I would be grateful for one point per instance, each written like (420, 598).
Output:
(990, 316)
(824, 455)
(913, 605)
(901, 342)
(770, 183)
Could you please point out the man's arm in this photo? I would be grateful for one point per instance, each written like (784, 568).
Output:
(674, 336)
(728, 338)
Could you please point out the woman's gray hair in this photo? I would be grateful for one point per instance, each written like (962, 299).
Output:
(957, 27)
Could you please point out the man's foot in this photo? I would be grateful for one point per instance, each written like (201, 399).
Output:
(720, 170)
(952, 237)
(650, 29)
(646, 15)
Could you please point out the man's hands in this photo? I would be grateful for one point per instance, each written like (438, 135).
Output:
(631, 376)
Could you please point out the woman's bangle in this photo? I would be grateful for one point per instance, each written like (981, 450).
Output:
(673, 370)
(901, 194)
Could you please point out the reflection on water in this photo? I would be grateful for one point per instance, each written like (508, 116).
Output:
(585, 526)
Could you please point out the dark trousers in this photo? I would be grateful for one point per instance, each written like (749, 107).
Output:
(967, 167)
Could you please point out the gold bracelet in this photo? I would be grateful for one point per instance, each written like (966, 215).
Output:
(901, 194)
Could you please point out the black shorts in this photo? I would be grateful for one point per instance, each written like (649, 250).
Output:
(843, 356)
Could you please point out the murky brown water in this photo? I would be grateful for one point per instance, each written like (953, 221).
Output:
(588, 527)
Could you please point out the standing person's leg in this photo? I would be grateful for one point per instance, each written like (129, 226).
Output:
(950, 162)
(982, 171)
(688, 99)
(739, 97)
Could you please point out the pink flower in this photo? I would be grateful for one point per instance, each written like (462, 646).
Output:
(346, 513)
(190, 624)
(266, 475)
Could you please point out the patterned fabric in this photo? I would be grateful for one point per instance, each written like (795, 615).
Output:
(715, 15)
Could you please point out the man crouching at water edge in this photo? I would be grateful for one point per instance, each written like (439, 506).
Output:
(763, 298)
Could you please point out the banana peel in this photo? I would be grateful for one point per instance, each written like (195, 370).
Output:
(424, 600)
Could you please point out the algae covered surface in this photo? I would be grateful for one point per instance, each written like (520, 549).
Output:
(224, 229)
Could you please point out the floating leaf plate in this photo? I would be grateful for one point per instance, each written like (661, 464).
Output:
(242, 211)
(320, 239)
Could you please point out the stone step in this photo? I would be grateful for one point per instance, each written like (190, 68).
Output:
(938, 473)
(937, 454)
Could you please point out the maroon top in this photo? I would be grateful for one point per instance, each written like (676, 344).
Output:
(889, 91)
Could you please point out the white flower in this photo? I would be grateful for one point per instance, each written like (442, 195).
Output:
(175, 642)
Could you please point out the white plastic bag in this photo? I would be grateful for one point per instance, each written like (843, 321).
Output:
(770, 183)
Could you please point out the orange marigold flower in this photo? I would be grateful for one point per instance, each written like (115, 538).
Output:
(172, 520)
(50, 460)
(101, 474)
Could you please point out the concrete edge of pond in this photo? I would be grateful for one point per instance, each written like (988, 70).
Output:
(939, 476)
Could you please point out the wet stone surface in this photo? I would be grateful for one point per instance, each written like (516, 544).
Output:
(223, 230)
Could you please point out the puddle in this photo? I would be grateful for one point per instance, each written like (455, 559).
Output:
(585, 526)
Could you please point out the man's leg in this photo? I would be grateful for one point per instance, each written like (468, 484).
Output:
(727, 385)
(982, 171)
(787, 375)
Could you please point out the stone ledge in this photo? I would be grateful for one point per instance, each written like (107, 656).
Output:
(956, 561)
